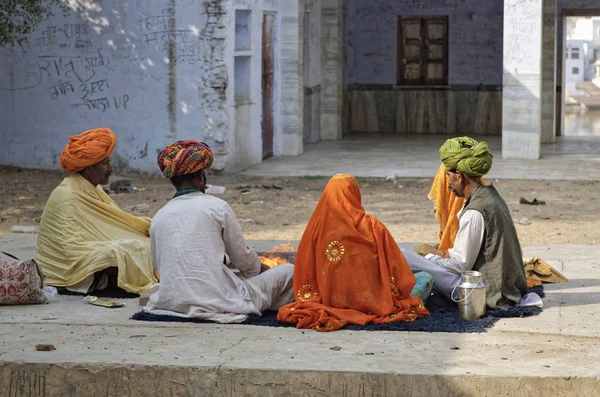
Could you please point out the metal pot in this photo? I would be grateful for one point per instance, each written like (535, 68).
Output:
(471, 296)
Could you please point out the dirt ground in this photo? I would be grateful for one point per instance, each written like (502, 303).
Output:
(273, 214)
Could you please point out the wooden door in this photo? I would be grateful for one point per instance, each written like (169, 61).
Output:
(422, 51)
(267, 84)
(435, 60)
(410, 45)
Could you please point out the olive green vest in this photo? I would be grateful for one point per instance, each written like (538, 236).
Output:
(500, 260)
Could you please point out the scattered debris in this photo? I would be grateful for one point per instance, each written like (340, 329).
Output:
(245, 191)
(210, 189)
(51, 293)
(455, 348)
(535, 201)
(269, 187)
(25, 229)
(137, 336)
(369, 354)
(43, 347)
(391, 178)
(120, 186)
(524, 221)
(504, 358)
(241, 187)
(94, 300)
(247, 220)
(542, 214)
(140, 208)
(335, 348)
(257, 202)
(539, 351)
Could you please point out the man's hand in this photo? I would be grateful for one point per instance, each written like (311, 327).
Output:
(424, 249)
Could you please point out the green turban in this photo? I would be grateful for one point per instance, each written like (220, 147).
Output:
(466, 155)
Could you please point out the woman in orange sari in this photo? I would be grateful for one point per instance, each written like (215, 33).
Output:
(349, 269)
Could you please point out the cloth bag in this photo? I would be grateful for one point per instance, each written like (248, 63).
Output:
(21, 282)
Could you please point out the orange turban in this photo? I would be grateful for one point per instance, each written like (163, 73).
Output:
(88, 148)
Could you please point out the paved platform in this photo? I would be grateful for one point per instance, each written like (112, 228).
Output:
(100, 352)
(570, 158)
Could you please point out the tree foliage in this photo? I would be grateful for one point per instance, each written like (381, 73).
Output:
(18, 18)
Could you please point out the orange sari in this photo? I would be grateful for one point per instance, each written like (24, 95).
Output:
(446, 207)
(349, 269)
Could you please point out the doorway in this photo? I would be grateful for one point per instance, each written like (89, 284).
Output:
(268, 73)
(580, 99)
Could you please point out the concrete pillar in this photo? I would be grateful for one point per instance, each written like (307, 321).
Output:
(522, 79)
(292, 74)
(332, 61)
(549, 71)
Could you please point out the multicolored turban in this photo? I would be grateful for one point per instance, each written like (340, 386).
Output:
(185, 157)
(466, 155)
(88, 148)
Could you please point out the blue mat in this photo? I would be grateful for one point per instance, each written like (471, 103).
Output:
(115, 293)
(442, 319)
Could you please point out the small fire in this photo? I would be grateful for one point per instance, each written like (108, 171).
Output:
(271, 259)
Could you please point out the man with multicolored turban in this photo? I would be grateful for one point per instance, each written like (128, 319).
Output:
(486, 240)
(86, 242)
(199, 249)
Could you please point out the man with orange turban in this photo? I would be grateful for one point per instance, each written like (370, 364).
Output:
(86, 242)
(197, 243)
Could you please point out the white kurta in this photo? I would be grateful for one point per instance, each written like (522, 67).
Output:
(191, 238)
(446, 271)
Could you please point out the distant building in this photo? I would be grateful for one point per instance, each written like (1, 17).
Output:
(575, 66)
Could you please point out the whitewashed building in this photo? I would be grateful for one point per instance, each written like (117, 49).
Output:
(256, 78)
(156, 71)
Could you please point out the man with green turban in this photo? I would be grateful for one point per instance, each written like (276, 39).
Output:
(486, 240)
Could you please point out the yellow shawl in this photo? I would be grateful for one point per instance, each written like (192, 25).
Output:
(83, 231)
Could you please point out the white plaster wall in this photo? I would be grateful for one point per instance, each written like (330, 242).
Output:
(311, 34)
(475, 42)
(522, 79)
(313, 11)
(150, 70)
(245, 116)
(332, 60)
(246, 148)
(292, 77)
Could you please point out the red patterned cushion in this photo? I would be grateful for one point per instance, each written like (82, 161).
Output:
(21, 282)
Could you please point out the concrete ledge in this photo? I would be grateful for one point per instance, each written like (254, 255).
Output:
(50, 380)
(101, 352)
